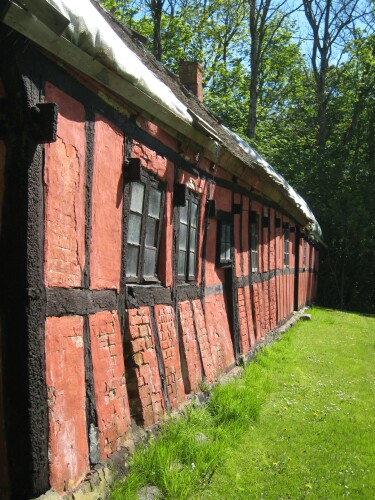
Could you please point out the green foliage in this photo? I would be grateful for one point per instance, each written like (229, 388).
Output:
(189, 449)
(235, 406)
(122, 9)
(347, 196)
(178, 460)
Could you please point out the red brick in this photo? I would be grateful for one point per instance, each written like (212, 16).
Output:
(107, 193)
(171, 356)
(151, 401)
(151, 161)
(64, 191)
(218, 332)
(109, 381)
(204, 342)
(65, 378)
(157, 132)
(237, 254)
(165, 270)
(191, 349)
(256, 319)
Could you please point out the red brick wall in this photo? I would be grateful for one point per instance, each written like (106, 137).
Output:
(218, 332)
(213, 274)
(237, 246)
(107, 194)
(316, 268)
(249, 314)
(245, 314)
(145, 393)
(272, 290)
(223, 198)
(65, 376)
(245, 236)
(166, 324)
(157, 132)
(109, 381)
(190, 347)
(151, 161)
(204, 341)
(64, 180)
(243, 321)
(64, 191)
(256, 309)
(165, 270)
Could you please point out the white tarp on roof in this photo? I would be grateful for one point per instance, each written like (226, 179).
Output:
(278, 179)
(89, 31)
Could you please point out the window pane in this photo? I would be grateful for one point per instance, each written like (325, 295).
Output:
(191, 265)
(151, 232)
(184, 213)
(193, 237)
(194, 213)
(150, 262)
(154, 203)
(137, 196)
(227, 234)
(225, 243)
(286, 247)
(222, 251)
(254, 236)
(227, 255)
(286, 241)
(254, 260)
(134, 229)
(182, 240)
(181, 263)
(132, 261)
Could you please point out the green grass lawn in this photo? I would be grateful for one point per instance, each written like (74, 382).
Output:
(299, 423)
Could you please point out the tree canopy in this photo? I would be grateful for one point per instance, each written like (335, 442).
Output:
(297, 79)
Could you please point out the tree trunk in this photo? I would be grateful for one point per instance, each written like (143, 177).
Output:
(157, 11)
(252, 117)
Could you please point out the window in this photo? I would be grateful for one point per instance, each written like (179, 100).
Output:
(187, 239)
(286, 247)
(254, 242)
(224, 244)
(144, 229)
(304, 254)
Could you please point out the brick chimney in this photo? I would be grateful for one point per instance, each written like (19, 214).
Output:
(191, 77)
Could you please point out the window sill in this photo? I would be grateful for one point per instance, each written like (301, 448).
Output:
(142, 282)
(183, 282)
(224, 265)
(150, 281)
